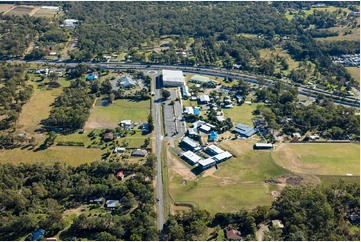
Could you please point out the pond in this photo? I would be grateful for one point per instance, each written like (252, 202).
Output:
(102, 102)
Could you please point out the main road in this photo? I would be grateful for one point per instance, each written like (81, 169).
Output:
(158, 143)
(302, 89)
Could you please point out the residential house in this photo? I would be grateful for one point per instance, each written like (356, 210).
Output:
(119, 150)
(244, 130)
(127, 82)
(233, 234)
(277, 224)
(119, 175)
(126, 124)
(112, 204)
(70, 23)
(188, 110)
(296, 136)
(145, 128)
(108, 137)
(139, 152)
(204, 99)
(38, 234)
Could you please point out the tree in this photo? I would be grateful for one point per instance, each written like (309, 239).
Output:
(165, 94)
(105, 236)
(150, 123)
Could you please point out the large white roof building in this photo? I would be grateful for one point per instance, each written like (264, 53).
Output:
(172, 78)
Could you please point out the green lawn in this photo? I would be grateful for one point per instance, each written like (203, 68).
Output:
(241, 114)
(355, 73)
(238, 183)
(321, 159)
(266, 54)
(71, 155)
(123, 109)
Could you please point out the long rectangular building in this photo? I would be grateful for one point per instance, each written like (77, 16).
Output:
(172, 78)
(191, 157)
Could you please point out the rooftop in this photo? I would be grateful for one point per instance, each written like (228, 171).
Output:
(198, 78)
(233, 234)
(244, 130)
(194, 158)
(204, 98)
(214, 149)
(127, 81)
(170, 77)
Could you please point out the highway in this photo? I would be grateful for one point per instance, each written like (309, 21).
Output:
(303, 89)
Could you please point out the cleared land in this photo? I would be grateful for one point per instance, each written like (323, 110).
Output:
(23, 10)
(355, 35)
(5, 7)
(238, 182)
(123, 109)
(44, 12)
(241, 114)
(71, 155)
(267, 54)
(355, 73)
(37, 109)
(321, 159)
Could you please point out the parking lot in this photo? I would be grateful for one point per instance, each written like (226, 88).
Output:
(173, 127)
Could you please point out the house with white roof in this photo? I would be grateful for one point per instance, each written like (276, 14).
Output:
(127, 82)
(204, 99)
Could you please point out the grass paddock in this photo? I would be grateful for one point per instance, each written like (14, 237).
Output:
(319, 159)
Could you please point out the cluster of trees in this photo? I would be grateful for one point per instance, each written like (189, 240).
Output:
(14, 93)
(17, 32)
(35, 196)
(312, 213)
(333, 121)
(72, 108)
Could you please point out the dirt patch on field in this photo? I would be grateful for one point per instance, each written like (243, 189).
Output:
(237, 147)
(291, 161)
(210, 172)
(178, 167)
(70, 212)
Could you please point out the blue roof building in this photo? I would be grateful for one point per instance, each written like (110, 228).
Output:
(196, 110)
(244, 130)
(37, 234)
(213, 136)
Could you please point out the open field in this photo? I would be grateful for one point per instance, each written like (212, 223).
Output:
(241, 114)
(266, 54)
(37, 109)
(23, 10)
(44, 12)
(5, 7)
(71, 155)
(319, 159)
(238, 182)
(355, 73)
(355, 35)
(122, 109)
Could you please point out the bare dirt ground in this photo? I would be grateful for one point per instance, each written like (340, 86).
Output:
(294, 164)
(259, 234)
(296, 180)
(179, 167)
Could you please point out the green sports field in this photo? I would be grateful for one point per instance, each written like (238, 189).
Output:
(321, 159)
(123, 109)
(239, 181)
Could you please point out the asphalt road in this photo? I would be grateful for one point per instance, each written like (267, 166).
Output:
(347, 101)
(158, 143)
